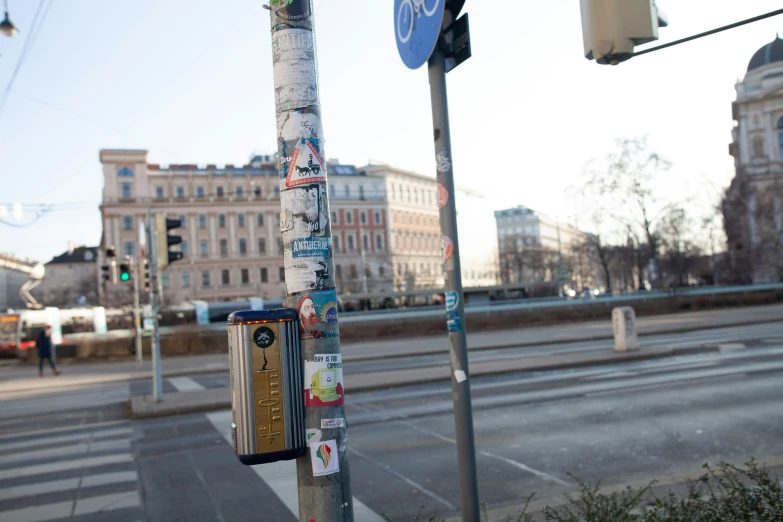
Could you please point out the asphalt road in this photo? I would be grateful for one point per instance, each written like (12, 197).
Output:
(73, 453)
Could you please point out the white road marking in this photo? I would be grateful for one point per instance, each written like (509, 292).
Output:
(76, 450)
(281, 476)
(85, 506)
(68, 484)
(53, 467)
(75, 437)
(185, 384)
(97, 425)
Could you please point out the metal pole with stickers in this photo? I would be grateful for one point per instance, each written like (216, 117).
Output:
(286, 380)
(432, 32)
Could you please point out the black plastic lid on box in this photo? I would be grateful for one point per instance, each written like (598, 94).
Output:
(254, 316)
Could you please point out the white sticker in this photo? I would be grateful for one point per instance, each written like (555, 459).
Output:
(324, 458)
(294, 69)
(332, 423)
(298, 125)
(313, 436)
(460, 375)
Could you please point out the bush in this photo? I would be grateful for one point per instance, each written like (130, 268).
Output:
(725, 493)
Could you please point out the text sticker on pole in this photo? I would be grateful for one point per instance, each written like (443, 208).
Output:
(417, 25)
(324, 458)
(294, 68)
(305, 214)
(452, 301)
(324, 376)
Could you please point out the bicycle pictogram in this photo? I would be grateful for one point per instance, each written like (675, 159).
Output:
(409, 10)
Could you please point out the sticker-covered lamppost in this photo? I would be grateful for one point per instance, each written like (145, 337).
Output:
(323, 474)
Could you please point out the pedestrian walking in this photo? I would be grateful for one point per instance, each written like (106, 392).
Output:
(44, 345)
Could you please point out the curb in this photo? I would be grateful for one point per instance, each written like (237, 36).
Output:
(179, 403)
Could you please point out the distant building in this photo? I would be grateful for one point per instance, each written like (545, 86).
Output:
(385, 228)
(753, 204)
(531, 244)
(14, 272)
(71, 278)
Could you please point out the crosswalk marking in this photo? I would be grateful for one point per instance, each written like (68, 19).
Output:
(281, 476)
(102, 503)
(73, 450)
(48, 441)
(68, 484)
(185, 384)
(63, 466)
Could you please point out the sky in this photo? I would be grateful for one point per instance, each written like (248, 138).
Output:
(191, 82)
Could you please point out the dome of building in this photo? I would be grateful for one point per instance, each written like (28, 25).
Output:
(770, 53)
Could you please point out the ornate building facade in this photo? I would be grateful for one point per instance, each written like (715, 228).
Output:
(753, 203)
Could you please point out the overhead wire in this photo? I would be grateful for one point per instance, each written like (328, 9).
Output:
(23, 54)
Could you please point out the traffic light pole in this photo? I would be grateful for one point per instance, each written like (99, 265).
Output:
(136, 311)
(157, 380)
(458, 346)
(323, 473)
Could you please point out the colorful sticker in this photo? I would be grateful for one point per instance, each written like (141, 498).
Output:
(324, 376)
(453, 322)
(332, 423)
(291, 9)
(313, 436)
(310, 247)
(305, 212)
(302, 163)
(318, 315)
(293, 66)
(443, 196)
(447, 248)
(324, 457)
(452, 300)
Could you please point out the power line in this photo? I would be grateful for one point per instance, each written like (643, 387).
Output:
(28, 40)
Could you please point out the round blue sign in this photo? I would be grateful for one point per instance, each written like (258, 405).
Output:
(417, 25)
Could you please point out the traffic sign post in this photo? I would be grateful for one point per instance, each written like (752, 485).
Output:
(421, 38)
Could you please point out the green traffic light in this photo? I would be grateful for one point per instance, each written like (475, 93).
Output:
(125, 276)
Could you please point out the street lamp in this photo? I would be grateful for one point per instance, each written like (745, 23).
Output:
(6, 26)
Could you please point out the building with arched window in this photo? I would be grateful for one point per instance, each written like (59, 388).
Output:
(753, 204)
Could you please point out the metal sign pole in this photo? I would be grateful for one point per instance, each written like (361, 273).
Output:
(157, 380)
(136, 310)
(323, 474)
(458, 346)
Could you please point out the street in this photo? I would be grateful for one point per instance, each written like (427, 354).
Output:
(74, 452)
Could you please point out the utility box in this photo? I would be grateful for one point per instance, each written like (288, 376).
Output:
(267, 388)
(624, 326)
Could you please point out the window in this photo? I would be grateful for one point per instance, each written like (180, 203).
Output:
(225, 277)
(264, 275)
(183, 247)
(394, 217)
(349, 217)
(126, 191)
(241, 220)
(780, 137)
(277, 218)
(354, 273)
(279, 245)
(336, 242)
(338, 270)
(257, 191)
(222, 220)
(378, 242)
(185, 279)
(159, 192)
(260, 219)
(381, 271)
(331, 191)
(203, 248)
(125, 172)
(367, 273)
(347, 191)
(220, 192)
(202, 221)
(165, 280)
(277, 192)
(262, 246)
(224, 247)
(365, 243)
(205, 279)
(350, 243)
(182, 222)
(128, 248)
(239, 192)
(363, 217)
(334, 218)
(243, 247)
(199, 192)
(127, 222)
(361, 191)
(180, 192)
(377, 217)
(281, 273)
(245, 276)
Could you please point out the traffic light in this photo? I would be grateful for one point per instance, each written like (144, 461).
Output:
(110, 270)
(145, 274)
(163, 240)
(125, 271)
(611, 28)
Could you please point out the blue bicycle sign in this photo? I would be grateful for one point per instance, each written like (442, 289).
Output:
(417, 25)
